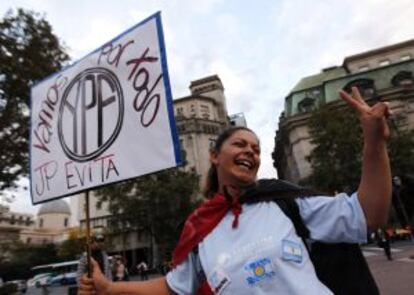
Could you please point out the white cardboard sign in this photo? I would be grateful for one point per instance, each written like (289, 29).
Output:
(106, 118)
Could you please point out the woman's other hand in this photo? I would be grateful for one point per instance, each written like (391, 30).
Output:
(98, 284)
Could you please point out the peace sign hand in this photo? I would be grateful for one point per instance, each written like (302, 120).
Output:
(373, 118)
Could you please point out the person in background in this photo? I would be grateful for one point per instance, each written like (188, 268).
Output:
(99, 255)
(384, 242)
(143, 270)
(165, 266)
(120, 270)
(234, 248)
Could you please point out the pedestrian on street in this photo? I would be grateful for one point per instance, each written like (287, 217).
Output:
(142, 268)
(121, 273)
(165, 267)
(384, 242)
(232, 248)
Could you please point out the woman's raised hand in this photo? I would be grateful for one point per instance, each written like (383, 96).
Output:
(373, 118)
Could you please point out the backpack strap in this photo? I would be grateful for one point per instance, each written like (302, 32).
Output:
(291, 209)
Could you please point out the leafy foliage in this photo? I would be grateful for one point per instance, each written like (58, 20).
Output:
(29, 51)
(21, 257)
(337, 155)
(24, 257)
(401, 149)
(71, 248)
(155, 204)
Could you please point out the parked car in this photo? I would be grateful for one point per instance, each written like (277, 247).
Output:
(40, 280)
(402, 234)
(68, 278)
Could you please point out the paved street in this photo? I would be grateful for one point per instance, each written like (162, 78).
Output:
(393, 277)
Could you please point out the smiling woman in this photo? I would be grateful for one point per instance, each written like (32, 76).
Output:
(235, 160)
(237, 242)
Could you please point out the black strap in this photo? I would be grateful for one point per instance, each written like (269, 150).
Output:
(291, 209)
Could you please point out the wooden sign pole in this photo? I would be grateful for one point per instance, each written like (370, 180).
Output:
(88, 234)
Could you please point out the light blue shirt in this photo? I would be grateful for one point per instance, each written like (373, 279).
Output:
(264, 255)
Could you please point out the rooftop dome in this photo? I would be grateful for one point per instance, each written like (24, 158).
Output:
(57, 206)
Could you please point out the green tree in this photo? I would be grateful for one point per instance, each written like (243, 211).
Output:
(23, 257)
(71, 248)
(336, 157)
(29, 51)
(337, 154)
(154, 204)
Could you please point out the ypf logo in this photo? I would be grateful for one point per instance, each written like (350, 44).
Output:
(90, 114)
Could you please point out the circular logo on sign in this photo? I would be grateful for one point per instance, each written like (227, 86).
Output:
(90, 114)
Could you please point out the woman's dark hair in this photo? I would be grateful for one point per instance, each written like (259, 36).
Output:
(211, 186)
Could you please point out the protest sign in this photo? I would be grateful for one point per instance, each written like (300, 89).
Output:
(106, 118)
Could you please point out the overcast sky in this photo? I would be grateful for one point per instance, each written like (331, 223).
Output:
(260, 49)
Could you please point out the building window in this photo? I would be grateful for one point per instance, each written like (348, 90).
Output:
(181, 128)
(402, 78)
(384, 62)
(400, 120)
(405, 57)
(212, 142)
(363, 68)
(365, 86)
(316, 93)
(192, 110)
(306, 105)
(205, 111)
(28, 240)
(208, 129)
(41, 223)
(65, 222)
(180, 112)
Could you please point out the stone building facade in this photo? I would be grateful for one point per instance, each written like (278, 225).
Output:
(12, 223)
(200, 117)
(51, 225)
(385, 72)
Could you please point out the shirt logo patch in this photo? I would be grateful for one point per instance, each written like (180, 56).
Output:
(259, 271)
(218, 280)
(292, 251)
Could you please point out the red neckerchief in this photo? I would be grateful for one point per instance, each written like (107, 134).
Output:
(201, 222)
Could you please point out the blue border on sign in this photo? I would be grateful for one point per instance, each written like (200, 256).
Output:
(167, 86)
(169, 100)
(30, 144)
